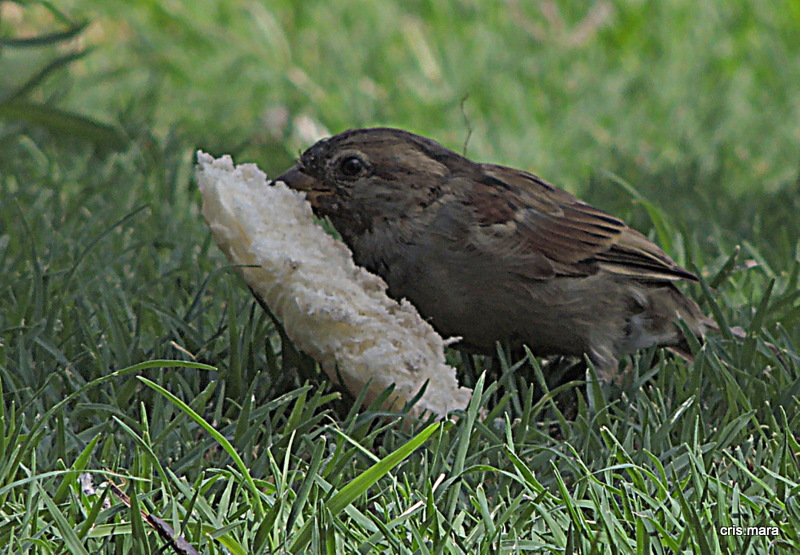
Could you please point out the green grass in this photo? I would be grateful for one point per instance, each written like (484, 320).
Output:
(131, 351)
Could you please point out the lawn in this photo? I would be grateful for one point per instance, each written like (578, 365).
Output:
(141, 384)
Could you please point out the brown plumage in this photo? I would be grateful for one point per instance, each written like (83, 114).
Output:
(491, 253)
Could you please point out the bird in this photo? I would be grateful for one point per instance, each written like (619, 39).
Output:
(489, 253)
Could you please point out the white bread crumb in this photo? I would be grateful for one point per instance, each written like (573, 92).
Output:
(333, 310)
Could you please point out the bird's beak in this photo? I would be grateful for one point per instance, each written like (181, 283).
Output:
(296, 179)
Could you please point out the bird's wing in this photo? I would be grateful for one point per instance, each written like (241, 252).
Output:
(553, 233)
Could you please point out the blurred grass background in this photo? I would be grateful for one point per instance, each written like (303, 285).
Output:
(105, 263)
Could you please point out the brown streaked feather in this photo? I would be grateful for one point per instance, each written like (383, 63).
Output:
(562, 234)
(636, 256)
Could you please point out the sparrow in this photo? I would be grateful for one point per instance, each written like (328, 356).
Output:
(489, 253)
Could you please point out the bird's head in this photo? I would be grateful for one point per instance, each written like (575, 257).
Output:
(363, 177)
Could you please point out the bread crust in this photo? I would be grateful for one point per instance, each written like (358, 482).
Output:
(332, 309)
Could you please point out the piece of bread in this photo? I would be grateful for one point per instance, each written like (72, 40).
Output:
(333, 310)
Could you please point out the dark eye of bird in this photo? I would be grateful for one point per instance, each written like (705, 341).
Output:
(351, 166)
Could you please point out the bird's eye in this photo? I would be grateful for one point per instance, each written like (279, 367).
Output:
(351, 166)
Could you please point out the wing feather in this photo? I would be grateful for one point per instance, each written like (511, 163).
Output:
(517, 211)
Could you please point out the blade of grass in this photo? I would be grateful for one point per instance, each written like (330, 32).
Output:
(221, 439)
(357, 487)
